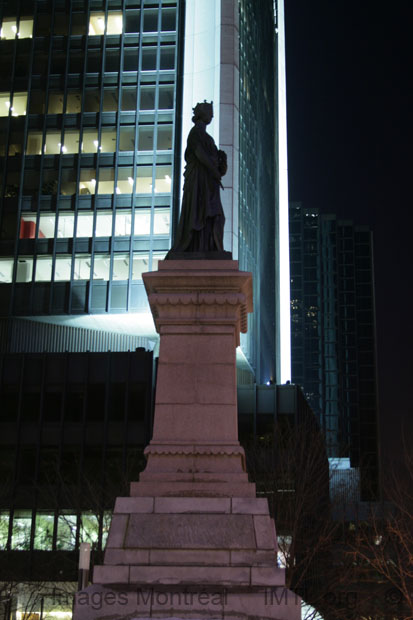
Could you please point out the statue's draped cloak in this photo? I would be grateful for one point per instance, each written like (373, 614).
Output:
(201, 225)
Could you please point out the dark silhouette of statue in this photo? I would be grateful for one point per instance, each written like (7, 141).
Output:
(201, 225)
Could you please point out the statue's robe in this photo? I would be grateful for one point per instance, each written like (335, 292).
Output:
(201, 225)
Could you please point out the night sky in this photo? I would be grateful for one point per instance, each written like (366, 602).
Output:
(350, 104)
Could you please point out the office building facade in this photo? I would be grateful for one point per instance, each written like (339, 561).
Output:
(333, 337)
(88, 130)
(95, 105)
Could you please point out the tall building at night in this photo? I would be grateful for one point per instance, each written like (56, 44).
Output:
(95, 105)
(333, 334)
(96, 101)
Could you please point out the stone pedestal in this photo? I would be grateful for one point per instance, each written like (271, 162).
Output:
(192, 540)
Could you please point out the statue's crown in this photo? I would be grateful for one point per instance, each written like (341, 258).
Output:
(202, 106)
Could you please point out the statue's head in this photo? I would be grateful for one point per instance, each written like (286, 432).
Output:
(203, 112)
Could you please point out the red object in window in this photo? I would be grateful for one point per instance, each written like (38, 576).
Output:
(27, 229)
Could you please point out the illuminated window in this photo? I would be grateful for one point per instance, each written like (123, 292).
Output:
(125, 181)
(19, 104)
(123, 223)
(163, 179)
(97, 24)
(71, 142)
(82, 267)
(156, 258)
(21, 532)
(104, 224)
(43, 532)
(62, 268)
(127, 139)
(106, 181)
(6, 269)
(142, 222)
(65, 225)
(66, 531)
(120, 267)
(140, 265)
(84, 225)
(34, 143)
(92, 100)
(164, 138)
(90, 141)
(10, 29)
(4, 104)
(24, 269)
(115, 23)
(162, 222)
(110, 100)
(108, 141)
(4, 527)
(73, 103)
(144, 180)
(87, 183)
(53, 143)
(25, 28)
(65, 228)
(28, 227)
(145, 139)
(101, 267)
(55, 103)
(43, 269)
(47, 223)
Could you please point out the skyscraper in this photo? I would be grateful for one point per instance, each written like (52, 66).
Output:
(333, 334)
(95, 105)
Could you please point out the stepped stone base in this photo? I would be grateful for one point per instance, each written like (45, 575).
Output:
(104, 603)
(192, 541)
(189, 557)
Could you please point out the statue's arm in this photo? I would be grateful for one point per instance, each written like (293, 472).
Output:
(205, 161)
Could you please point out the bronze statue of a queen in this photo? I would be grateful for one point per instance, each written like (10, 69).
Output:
(201, 224)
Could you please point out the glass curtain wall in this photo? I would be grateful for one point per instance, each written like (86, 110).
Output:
(87, 121)
(257, 197)
(333, 333)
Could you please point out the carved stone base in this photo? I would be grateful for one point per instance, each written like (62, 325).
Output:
(211, 470)
(190, 557)
(192, 524)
